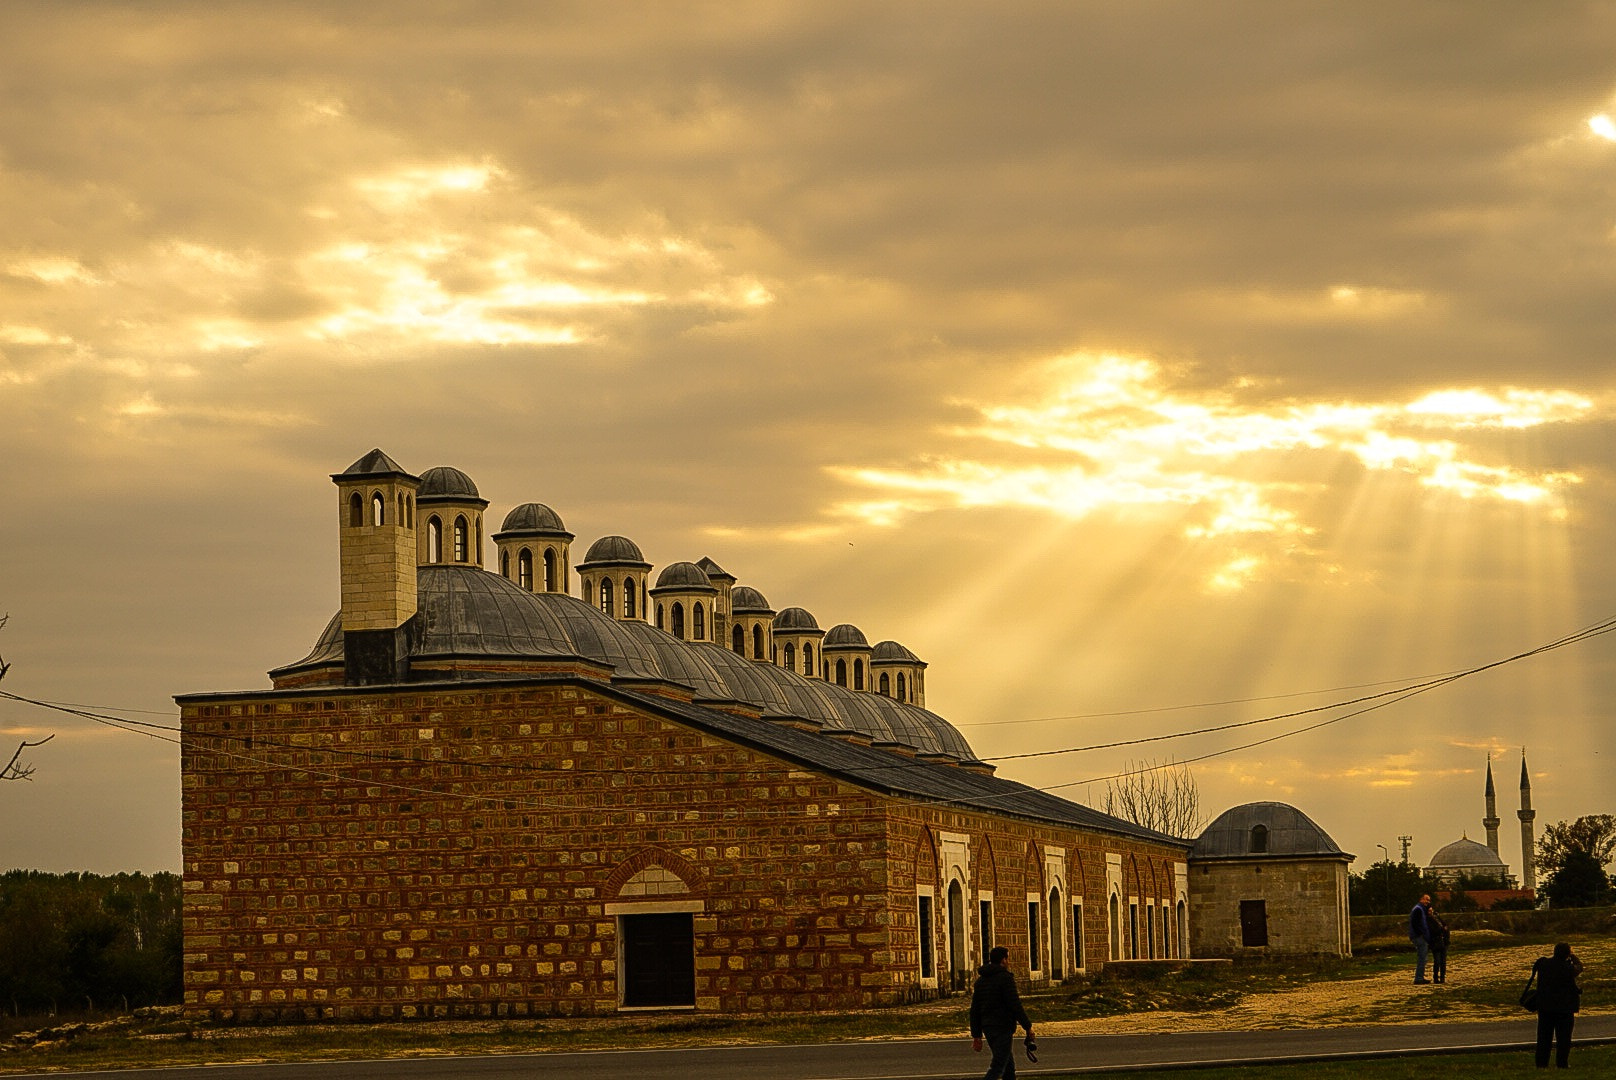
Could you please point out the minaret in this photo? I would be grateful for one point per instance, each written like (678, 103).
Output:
(1492, 820)
(1527, 815)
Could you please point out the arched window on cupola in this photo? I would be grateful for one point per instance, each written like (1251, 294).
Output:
(698, 623)
(378, 508)
(807, 659)
(791, 656)
(737, 639)
(606, 599)
(903, 689)
(356, 510)
(549, 570)
(434, 539)
(858, 673)
(629, 594)
(841, 672)
(462, 542)
(885, 685)
(524, 569)
(676, 616)
(659, 616)
(1259, 839)
(757, 641)
(504, 564)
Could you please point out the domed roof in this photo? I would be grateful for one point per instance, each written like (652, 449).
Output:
(443, 483)
(795, 618)
(533, 517)
(464, 611)
(892, 653)
(1287, 832)
(747, 599)
(1465, 853)
(846, 636)
(614, 549)
(681, 664)
(684, 575)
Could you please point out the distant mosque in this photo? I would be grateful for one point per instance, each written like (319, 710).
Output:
(1464, 858)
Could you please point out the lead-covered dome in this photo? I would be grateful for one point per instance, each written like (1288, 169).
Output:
(745, 600)
(890, 652)
(1465, 854)
(795, 618)
(684, 575)
(532, 517)
(445, 482)
(845, 635)
(1264, 829)
(614, 549)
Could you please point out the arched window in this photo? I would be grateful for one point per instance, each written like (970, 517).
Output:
(698, 623)
(549, 570)
(885, 685)
(606, 595)
(399, 513)
(356, 510)
(903, 690)
(677, 615)
(589, 591)
(628, 599)
(409, 511)
(841, 672)
(659, 625)
(791, 655)
(737, 639)
(504, 564)
(524, 569)
(378, 509)
(1259, 839)
(858, 673)
(462, 543)
(434, 539)
(757, 641)
(807, 659)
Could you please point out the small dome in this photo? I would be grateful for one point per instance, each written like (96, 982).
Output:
(713, 570)
(1286, 832)
(1465, 853)
(847, 636)
(892, 653)
(795, 618)
(613, 549)
(683, 575)
(746, 599)
(533, 517)
(444, 482)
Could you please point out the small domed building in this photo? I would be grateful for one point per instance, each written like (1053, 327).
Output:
(478, 795)
(1264, 878)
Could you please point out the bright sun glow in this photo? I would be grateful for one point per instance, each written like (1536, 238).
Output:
(1123, 437)
(1602, 126)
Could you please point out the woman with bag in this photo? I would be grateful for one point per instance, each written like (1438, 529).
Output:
(1558, 998)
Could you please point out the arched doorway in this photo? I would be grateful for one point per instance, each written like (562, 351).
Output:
(958, 964)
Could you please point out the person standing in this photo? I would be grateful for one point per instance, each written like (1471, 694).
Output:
(1558, 999)
(1419, 933)
(995, 1012)
(1438, 928)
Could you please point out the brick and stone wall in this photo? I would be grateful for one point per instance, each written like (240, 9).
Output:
(1305, 904)
(415, 852)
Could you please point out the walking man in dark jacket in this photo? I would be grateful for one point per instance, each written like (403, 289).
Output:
(995, 1012)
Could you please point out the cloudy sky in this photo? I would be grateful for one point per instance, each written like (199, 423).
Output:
(1144, 368)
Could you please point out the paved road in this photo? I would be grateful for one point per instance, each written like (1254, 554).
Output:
(919, 1059)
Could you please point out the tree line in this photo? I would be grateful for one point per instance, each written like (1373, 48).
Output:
(1571, 857)
(87, 942)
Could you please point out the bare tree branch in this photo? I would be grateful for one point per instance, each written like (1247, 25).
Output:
(1158, 795)
(16, 769)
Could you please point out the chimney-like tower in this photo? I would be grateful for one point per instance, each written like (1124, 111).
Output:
(376, 504)
(1527, 816)
(1492, 820)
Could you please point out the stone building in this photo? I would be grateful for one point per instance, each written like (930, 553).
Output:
(1263, 878)
(479, 795)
